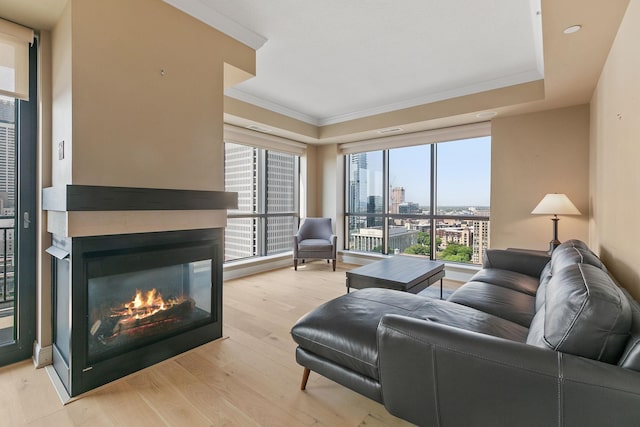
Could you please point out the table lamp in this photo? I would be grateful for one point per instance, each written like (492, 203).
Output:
(555, 204)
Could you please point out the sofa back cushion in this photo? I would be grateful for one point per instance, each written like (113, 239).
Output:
(571, 252)
(585, 314)
(541, 295)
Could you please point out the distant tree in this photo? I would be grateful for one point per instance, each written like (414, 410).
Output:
(457, 253)
(417, 249)
(424, 238)
(379, 249)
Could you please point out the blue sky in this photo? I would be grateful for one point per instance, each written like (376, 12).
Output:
(464, 172)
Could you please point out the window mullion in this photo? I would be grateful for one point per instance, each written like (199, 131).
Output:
(385, 201)
(433, 192)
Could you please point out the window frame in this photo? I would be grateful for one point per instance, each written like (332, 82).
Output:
(433, 217)
(261, 214)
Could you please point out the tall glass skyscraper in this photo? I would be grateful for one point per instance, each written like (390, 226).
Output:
(7, 155)
(267, 216)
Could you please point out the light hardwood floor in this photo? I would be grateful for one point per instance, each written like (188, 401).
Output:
(247, 378)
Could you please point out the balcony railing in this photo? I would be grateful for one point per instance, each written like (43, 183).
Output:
(461, 238)
(7, 288)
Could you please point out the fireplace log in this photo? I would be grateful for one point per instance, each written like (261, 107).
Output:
(127, 323)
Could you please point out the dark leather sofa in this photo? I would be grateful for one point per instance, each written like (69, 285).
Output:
(529, 340)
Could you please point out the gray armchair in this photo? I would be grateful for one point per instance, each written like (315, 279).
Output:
(314, 240)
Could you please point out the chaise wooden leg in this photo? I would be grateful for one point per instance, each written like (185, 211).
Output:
(305, 377)
(295, 264)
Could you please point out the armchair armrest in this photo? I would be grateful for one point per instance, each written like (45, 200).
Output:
(527, 263)
(334, 242)
(296, 240)
(434, 374)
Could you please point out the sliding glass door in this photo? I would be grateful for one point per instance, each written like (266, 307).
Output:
(18, 136)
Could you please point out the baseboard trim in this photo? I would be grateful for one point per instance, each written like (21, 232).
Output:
(42, 356)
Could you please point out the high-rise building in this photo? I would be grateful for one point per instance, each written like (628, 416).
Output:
(241, 176)
(7, 151)
(408, 208)
(281, 198)
(374, 206)
(7, 177)
(266, 182)
(480, 240)
(358, 182)
(396, 199)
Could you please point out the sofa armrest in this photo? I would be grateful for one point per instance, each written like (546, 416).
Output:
(433, 374)
(523, 262)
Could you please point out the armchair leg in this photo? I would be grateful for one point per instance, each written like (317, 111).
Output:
(334, 264)
(295, 264)
(305, 378)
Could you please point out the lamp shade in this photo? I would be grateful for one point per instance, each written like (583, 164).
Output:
(556, 204)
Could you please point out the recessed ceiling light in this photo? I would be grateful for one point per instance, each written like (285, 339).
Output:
(389, 130)
(486, 114)
(572, 29)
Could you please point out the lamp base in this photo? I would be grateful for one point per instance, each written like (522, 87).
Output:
(553, 245)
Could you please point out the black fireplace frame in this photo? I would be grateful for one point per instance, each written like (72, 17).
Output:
(72, 364)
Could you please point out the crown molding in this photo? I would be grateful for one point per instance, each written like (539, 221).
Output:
(505, 81)
(207, 14)
(271, 106)
(429, 98)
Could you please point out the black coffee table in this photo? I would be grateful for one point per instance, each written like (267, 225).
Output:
(400, 272)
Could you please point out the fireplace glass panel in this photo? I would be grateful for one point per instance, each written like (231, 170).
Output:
(131, 309)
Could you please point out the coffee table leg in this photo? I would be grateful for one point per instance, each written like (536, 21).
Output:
(440, 288)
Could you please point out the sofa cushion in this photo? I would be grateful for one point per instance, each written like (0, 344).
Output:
(567, 254)
(502, 302)
(573, 243)
(343, 330)
(508, 279)
(585, 314)
(314, 245)
(541, 294)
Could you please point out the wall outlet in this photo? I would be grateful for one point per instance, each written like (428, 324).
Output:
(60, 150)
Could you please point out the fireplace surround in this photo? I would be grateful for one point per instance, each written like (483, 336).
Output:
(125, 301)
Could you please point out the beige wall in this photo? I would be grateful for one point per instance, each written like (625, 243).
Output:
(531, 155)
(615, 156)
(61, 126)
(138, 101)
(147, 94)
(123, 123)
(311, 181)
(331, 191)
(324, 189)
(42, 352)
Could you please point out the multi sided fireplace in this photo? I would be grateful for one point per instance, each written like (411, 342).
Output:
(124, 302)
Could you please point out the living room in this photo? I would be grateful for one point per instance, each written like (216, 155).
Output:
(573, 132)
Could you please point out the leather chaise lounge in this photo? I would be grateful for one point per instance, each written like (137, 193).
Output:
(529, 340)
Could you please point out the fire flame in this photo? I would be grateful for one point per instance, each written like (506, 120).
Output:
(147, 304)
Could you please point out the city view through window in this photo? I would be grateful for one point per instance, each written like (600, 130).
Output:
(390, 194)
(7, 214)
(267, 216)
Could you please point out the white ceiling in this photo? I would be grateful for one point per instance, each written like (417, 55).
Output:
(330, 61)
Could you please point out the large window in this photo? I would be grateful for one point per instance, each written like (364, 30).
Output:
(267, 216)
(430, 200)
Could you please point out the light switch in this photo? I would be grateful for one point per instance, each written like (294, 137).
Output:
(61, 150)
